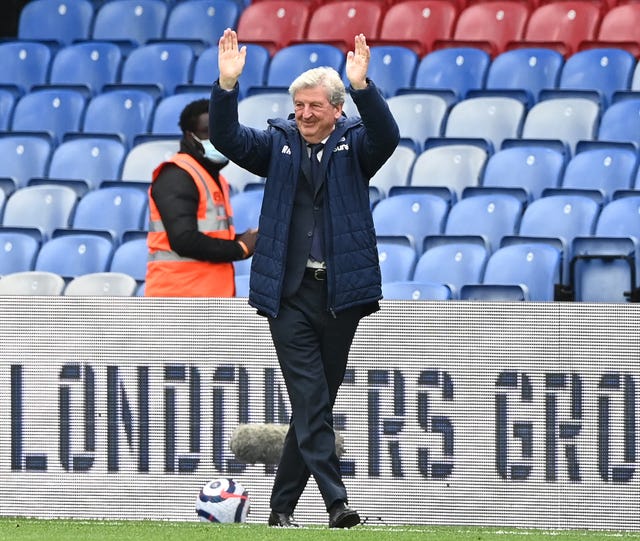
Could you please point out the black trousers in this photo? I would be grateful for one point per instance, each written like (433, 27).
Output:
(312, 347)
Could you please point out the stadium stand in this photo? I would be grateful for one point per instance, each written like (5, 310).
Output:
(26, 156)
(25, 64)
(397, 259)
(415, 291)
(419, 116)
(32, 283)
(60, 21)
(395, 171)
(18, 251)
(110, 284)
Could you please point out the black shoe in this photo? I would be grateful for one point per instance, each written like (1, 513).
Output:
(342, 516)
(282, 520)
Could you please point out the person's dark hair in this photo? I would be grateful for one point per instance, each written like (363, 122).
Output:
(190, 114)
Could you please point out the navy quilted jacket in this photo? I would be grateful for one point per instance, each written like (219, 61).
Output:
(360, 146)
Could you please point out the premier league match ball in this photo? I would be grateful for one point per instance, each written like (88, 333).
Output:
(222, 500)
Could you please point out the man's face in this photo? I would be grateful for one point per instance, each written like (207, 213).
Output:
(201, 130)
(315, 116)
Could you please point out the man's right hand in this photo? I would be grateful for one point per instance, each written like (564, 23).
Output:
(249, 239)
(231, 59)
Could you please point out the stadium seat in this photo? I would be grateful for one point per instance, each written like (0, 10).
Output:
(524, 171)
(254, 74)
(273, 23)
(8, 101)
(91, 63)
(26, 156)
(57, 111)
(528, 69)
(130, 258)
(108, 284)
(489, 25)
(74, 254)
(397, 260)
(491, 216)
(450, 164)
(246, 207)
(453, 263)
(619, 28)
(166, 65)
(115, 209)
(18, 251)
(392, 67)
(125, 112)
(419, 116)
(395, 171)
(615, 125)
(242, 285)
(568, 119)
(494, 292)
(131, 21)
(91, 159)
(143, 158)
(166, 114)
(44, 207)
(202, 20)
(455, 69)
(534, 267)
(339, 22)
(253, 111)
(414, 215)
(238, 178)
(24, 64)
(415, 291)
(494, 118)
(60, 21)
(31, 283)
(604, 70)
(289, 62)
(417, 24)
(561, 26)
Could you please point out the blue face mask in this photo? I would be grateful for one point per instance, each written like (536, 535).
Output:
(211, 153)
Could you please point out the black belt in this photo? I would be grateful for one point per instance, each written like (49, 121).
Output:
(319, 274)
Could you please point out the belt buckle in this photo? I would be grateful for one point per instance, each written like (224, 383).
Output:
(319, 274)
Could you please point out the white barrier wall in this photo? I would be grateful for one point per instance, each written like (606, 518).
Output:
(518, 414)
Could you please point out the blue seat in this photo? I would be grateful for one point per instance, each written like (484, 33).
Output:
(415, 291)
(115, 209)
(18, 251)
(91, 159)
(534, 267)
(90, 63)
(7, 103)
(24, 64)
(26, 156)
(74, 254)
(419, 116)
(494, 292)
(246, 207)
(125, 112)
(253, 111)
(494, 118)
(204, 20)
(605, 70)
(32, 283)
(166, 114)
(62, 21)
(287, 63)
(242, 285)
(254, 74)
(395, 171)
(414, 215)
(55, 110)
(134, 21)
(453, 263)
(397, 260)
(528, 69)
(166, 65)
(130, 258)
(44, 207)
(491, 216)
(458, 69)
(392, 67)
(524, 170)
(615, 125)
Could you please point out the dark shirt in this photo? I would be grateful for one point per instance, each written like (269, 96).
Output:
(177, 198)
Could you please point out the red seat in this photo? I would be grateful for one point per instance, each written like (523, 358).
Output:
(337, 23)
(561, 26)
(619, 29)
(417, 24)
(273, 23)
(489, 25)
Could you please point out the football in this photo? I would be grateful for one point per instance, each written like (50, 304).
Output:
(222, 500)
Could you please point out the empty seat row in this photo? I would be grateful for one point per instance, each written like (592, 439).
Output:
(111, 284)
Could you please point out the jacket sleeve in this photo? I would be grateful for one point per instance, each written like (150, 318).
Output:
(247, 147)
(381, 135)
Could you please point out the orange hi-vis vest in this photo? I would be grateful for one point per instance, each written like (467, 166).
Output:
(170, 275)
